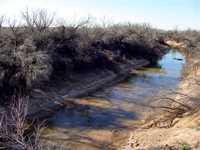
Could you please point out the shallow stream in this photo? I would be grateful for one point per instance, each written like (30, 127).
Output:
(105, 118)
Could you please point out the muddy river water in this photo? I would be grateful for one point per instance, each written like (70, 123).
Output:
(104, 119)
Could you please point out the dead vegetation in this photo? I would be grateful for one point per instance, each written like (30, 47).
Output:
(18, 134)
(35, 53)
(1, 22)
(175, 109)
(14, 130)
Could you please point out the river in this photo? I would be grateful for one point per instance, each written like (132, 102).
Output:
(104, 119)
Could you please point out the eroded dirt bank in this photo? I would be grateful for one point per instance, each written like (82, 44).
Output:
(178, 129)
(45, 103)
(185, 133)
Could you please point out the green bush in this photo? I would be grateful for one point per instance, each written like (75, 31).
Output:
(184, 146)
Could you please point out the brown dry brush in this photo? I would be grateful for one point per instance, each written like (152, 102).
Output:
(2, 18)
(34, 53)
(15, 132)
(39, 20)
(174, 109)
(189, 37)
(18, 134)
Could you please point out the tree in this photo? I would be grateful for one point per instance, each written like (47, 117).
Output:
(39, 20)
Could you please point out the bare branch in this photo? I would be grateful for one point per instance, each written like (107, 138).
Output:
(13, 26)
(39, 20)
(13, 127)
(175, 101)
(2, 19)
(82, 23)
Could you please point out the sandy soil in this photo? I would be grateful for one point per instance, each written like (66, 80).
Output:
(173, 138)
(185, 134)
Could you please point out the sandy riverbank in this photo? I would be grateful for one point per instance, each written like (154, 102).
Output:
(184, 132)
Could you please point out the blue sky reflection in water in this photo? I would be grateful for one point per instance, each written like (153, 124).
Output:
(151, 81)
(140, 89)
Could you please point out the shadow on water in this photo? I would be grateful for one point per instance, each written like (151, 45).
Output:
(88, 116)
(94, 120)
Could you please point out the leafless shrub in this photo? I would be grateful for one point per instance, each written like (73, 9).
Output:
(2, 18)
(39, 20)
(14, 29)
(35, 65)
(18, 134)
(37, 51)
(14, 129)
(23, 67)
(173, 109)
(13, 26)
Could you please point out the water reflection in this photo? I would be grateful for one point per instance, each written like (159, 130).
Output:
(115, 108)
(148, 82)
(92, 117)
